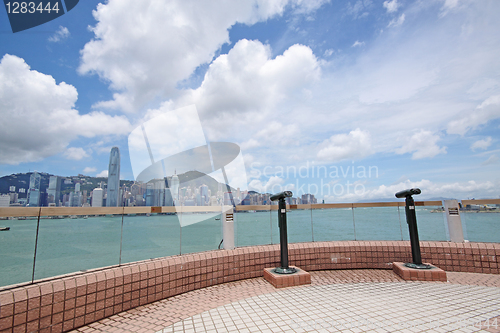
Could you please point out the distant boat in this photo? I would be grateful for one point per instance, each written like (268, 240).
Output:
(4, 228)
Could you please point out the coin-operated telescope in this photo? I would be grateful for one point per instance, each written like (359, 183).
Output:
(284, 268)
(411, 219)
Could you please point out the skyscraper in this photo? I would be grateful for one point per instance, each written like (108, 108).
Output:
(114, 178)
(34, 190)
(54, 190)
(97, 195)
(174, 188)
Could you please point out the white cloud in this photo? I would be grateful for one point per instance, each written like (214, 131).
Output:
(273, 185)
(391, 6)
(103, 173)
(275, 134)
(144, 48)
(423, 145)
(75, 154)
(358, 43)
(88, 170)
(458, 190)
(329, 52)
(61, 34)
(397, 22)
(486, 111)
(481, 144)
(38, 115)
(244, 86)
(356, 144)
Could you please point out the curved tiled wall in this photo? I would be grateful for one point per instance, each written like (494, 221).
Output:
(68, 302)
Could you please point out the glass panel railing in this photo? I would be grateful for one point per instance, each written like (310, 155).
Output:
(147, 236)
(253, 228)
(430, 223)
(334, 224)
(377, 223)
(481, 226)
(69, 240)
(67, 245)
(200, 232)
(299, 225)
(17, 245)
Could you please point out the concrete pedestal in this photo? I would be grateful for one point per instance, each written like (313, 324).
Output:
(406, 273)
(287, 280)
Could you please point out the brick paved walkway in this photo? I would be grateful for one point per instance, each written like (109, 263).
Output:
(373, 295)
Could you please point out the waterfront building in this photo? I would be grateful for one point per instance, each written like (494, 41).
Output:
(54, 190)
(34, 190)
(97, 197)
(4, 200)
(205, 196)
(149, 194)
(159, 192)
(174, 188)
(113, 192)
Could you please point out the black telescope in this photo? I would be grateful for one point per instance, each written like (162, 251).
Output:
(411, 219)
(283, 269)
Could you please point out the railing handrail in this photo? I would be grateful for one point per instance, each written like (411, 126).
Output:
(69, 211)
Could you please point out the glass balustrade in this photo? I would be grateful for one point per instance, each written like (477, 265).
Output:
(83, 238)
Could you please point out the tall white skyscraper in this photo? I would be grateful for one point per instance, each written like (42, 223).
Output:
(113, 199)
(174, 188)
(97, 195)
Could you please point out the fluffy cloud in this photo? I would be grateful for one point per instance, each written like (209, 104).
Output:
(75, 154)
(144, 48)
(103, 173)
(423, 145)
(61, 33)
(38, 119)
(391, 6)
(88, 170)
(356, 144)
(246, 84)
(275, 134)
(486, 111)
(481, 144)
(273, 185)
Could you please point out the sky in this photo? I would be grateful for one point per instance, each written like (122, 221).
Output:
(347, 100)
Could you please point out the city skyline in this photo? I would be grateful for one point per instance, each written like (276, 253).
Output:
(153, 193)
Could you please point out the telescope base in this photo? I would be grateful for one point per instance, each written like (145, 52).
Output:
(418, 266)
(299, 277)
(432, 273)
(285, 270)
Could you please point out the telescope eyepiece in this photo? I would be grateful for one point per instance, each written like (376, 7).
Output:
(408, 193)
(281, 195)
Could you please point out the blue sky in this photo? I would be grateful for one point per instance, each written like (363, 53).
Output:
(409, 90)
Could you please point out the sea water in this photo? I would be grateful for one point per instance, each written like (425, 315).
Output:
(79, 244)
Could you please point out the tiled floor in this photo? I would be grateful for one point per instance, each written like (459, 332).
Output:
(346, 301)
